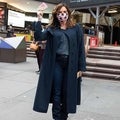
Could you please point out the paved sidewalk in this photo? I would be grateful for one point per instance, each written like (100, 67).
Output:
(100, 98)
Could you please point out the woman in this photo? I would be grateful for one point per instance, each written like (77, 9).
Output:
(64, 56)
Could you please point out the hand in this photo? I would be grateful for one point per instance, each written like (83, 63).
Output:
(37, 42)
(79, 74)
(39, 15)
(43, 6)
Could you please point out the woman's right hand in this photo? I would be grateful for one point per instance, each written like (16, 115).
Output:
(40, 15)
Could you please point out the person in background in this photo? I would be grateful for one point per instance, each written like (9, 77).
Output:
(62, 65)
(39, 52)
(92, 30)
(10, 31)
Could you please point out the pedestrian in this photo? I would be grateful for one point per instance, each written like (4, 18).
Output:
(63, 59)
(39, 52)
(10, 31)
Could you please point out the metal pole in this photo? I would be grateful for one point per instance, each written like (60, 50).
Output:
(97, 18)
(111, 35)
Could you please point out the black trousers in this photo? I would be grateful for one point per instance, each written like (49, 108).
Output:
(59, 110)
(39, 54)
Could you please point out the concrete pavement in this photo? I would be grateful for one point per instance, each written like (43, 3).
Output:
(100, 98)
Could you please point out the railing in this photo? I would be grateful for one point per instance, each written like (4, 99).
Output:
(89, 3)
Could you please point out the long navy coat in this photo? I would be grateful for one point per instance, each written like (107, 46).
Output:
(76, 62)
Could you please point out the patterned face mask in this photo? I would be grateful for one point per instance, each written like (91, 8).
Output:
(62, 17)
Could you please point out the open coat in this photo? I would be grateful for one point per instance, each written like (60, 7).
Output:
(76, 63)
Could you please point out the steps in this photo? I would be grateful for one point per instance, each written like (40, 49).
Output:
(104, 53)
(105, 70)
(103, 62)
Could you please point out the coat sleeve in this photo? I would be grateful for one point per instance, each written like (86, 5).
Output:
(39, 35)
(81, 49)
